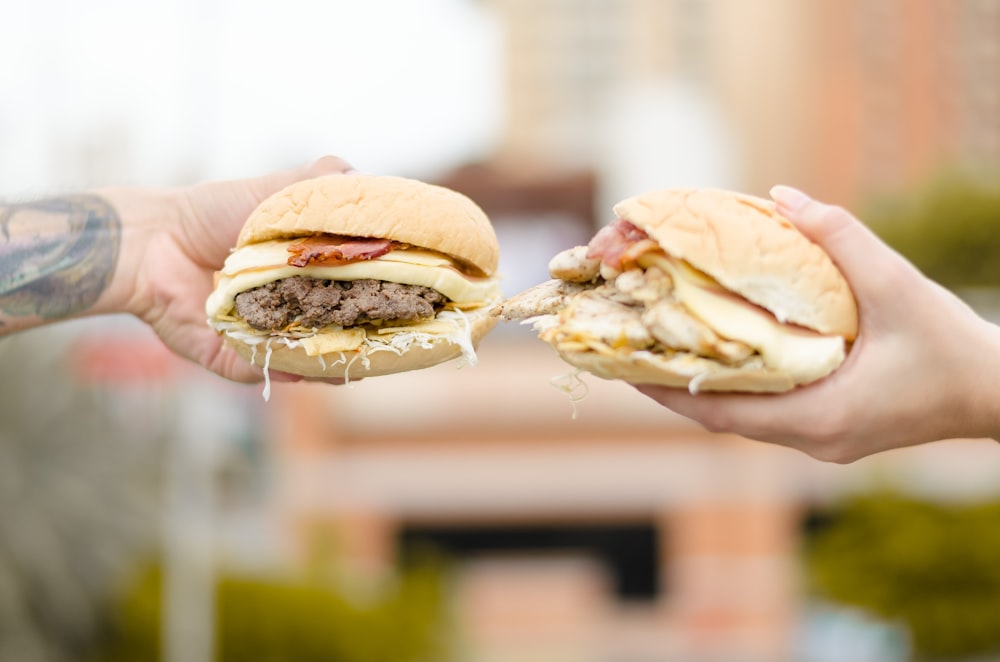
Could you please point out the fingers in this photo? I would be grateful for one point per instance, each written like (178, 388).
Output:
(235, 368)
(328, 165)
(795, 419)
(846, 239)
(716, 412)
(854, 248)
(246, 373)
(263, 186)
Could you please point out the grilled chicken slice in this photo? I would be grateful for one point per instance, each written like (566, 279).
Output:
(671, 324)
(544, 299)
(573, 265)
(592, 315)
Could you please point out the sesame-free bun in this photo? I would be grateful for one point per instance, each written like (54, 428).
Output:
(352, 365)
(751, 250)
(679, 371)
(405, 210)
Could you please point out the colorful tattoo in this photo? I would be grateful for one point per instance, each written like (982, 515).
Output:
(56, 257)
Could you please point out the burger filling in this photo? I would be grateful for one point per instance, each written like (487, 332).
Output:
(622, 293)
(315, 303)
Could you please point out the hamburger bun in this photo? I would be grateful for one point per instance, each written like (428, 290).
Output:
(401, 240)
(704, 289)
(404, 210)
(751, 250)
(356, 365)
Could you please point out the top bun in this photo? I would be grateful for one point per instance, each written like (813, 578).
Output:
(745, 245)
(404, 210)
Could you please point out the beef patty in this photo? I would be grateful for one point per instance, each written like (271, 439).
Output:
(315, 303)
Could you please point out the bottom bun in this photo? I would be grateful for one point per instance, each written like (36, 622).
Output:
(356, 364)
(679, 371)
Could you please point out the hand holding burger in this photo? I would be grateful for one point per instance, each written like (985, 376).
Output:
(923, 367)
(704, 289)
(352, 276)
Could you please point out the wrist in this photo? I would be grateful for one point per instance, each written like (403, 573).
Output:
(992, 396)
(67, 256)
(144, 215)
(985, 390)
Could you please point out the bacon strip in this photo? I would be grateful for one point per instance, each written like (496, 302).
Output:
(330, 249)
(611, 242)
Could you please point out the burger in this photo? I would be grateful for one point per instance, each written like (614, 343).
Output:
(350, 276)
(704, 289)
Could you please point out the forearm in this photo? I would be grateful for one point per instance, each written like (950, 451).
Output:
(72, 255)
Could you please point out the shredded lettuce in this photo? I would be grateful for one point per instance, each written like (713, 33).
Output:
(267, 373)
(398, 341)
(574, 387)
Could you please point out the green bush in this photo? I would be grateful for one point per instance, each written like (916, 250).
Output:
(934, 567)
(950, 230)
(295, 620)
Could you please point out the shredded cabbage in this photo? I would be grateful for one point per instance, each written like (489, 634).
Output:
(572, 385)
(397, 342)
(267, 373)
(694, 386)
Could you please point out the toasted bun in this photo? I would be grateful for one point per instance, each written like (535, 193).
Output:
(744, 244)
(679, 371)
(404, 210)
(352, 365)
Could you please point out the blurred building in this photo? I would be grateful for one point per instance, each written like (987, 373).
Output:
(844, 99)
(619, 533)
(906, 90)
(625, 533)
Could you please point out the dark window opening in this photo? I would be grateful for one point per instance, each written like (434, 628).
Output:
(630, 552)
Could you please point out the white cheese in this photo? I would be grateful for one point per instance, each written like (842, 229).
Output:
(243, 271)
(806, 354)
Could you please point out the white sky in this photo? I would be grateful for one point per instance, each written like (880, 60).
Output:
(172, 91)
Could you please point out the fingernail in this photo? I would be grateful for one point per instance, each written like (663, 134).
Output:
(788, 198)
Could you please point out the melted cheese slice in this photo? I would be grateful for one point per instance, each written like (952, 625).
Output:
(243, 271)
(347, 340)
(804, 354)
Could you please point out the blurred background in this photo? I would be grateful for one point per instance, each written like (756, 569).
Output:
(499, 512)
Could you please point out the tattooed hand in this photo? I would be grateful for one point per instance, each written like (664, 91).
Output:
(149, 252)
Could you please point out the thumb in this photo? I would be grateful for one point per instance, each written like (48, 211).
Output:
(328, 165)
(265, 185)
(848, 241)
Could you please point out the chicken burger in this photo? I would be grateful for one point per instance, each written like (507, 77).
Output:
(697, 288)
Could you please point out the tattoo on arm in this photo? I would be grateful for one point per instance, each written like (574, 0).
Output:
(57, 257)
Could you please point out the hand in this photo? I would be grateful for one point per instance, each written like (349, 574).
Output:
(174, 263)
(924, 366)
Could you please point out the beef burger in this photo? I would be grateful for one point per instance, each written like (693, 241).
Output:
(358, 275)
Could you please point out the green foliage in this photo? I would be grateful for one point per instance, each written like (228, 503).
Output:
(934, 567)
(296, 620)
(950, 230)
